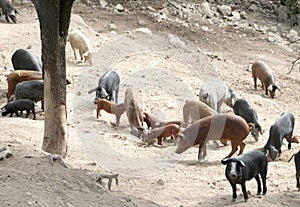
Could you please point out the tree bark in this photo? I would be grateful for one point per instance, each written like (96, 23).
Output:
(54, 17)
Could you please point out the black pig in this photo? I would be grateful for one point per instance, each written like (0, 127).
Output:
(244, 167)
(24, 59)
(282, 128)
(8, 10)
(18, 105)
(108, 87)
(244, 109)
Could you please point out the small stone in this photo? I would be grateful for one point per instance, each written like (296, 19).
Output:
(150, 8)
(160, 182)
(112, 26)
(253, 7)
(204, 29)
(236, 15)
(103, 3)
(143, 30)
(3, 56)
(205, 9)
(120, 8)
(224, 10)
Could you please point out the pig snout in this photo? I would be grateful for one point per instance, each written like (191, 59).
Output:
(233, 171)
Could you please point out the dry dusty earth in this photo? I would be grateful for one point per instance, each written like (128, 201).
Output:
(167, 74)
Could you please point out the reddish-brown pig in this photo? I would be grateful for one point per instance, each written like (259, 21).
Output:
(161, 132)
(117, 109)
(221, 127)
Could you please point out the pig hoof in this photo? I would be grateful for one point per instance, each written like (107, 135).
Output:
(246, 200)
(233, 200)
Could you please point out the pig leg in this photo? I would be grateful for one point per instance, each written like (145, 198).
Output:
(33, 112)
(159, 140)
(266, 91)
(263, 176)
(116, 94)
(117, 120)
(298, 183)
(234, 148)
(289, 138)
(200, 152)
(242, 146)
(27, 113)
(258, 184)
(81, 56)
(255, 82)
(74, 51)
(244, 191)
(233, 186)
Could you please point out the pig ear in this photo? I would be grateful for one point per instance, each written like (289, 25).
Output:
(276, 87)
(225, 161)
(241, 163)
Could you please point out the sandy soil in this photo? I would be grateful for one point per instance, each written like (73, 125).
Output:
(167, 74)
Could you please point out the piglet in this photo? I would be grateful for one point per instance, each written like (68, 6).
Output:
(244, 167)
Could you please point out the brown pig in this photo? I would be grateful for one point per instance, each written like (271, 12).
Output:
(19, 76)
(221, 127)
(117, 109)
(266, 76)
(161, 132)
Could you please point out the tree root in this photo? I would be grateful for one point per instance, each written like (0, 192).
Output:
(109, 177)
(5, 153)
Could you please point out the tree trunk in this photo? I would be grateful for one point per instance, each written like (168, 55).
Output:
(54, 17)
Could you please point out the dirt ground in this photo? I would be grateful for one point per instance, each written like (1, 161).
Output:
(167, 74)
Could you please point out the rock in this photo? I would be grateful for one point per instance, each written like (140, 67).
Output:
(176, 41)
(111, 26)
(273, 37)
(260, 28)
(243, 15)
(292, 35)
(120, 8)
(103, 3)
(2, 55)
(150, 8)
(205, 9)
(160, 17)
(160, 182)
(224, 10)
(204, 29)
(253, 7)
(164, 11)
(236, 15)
(281, 13)
(144, 30)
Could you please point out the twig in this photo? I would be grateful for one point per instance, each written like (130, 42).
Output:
(173, 4)
(109, 177)
(293, 65)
